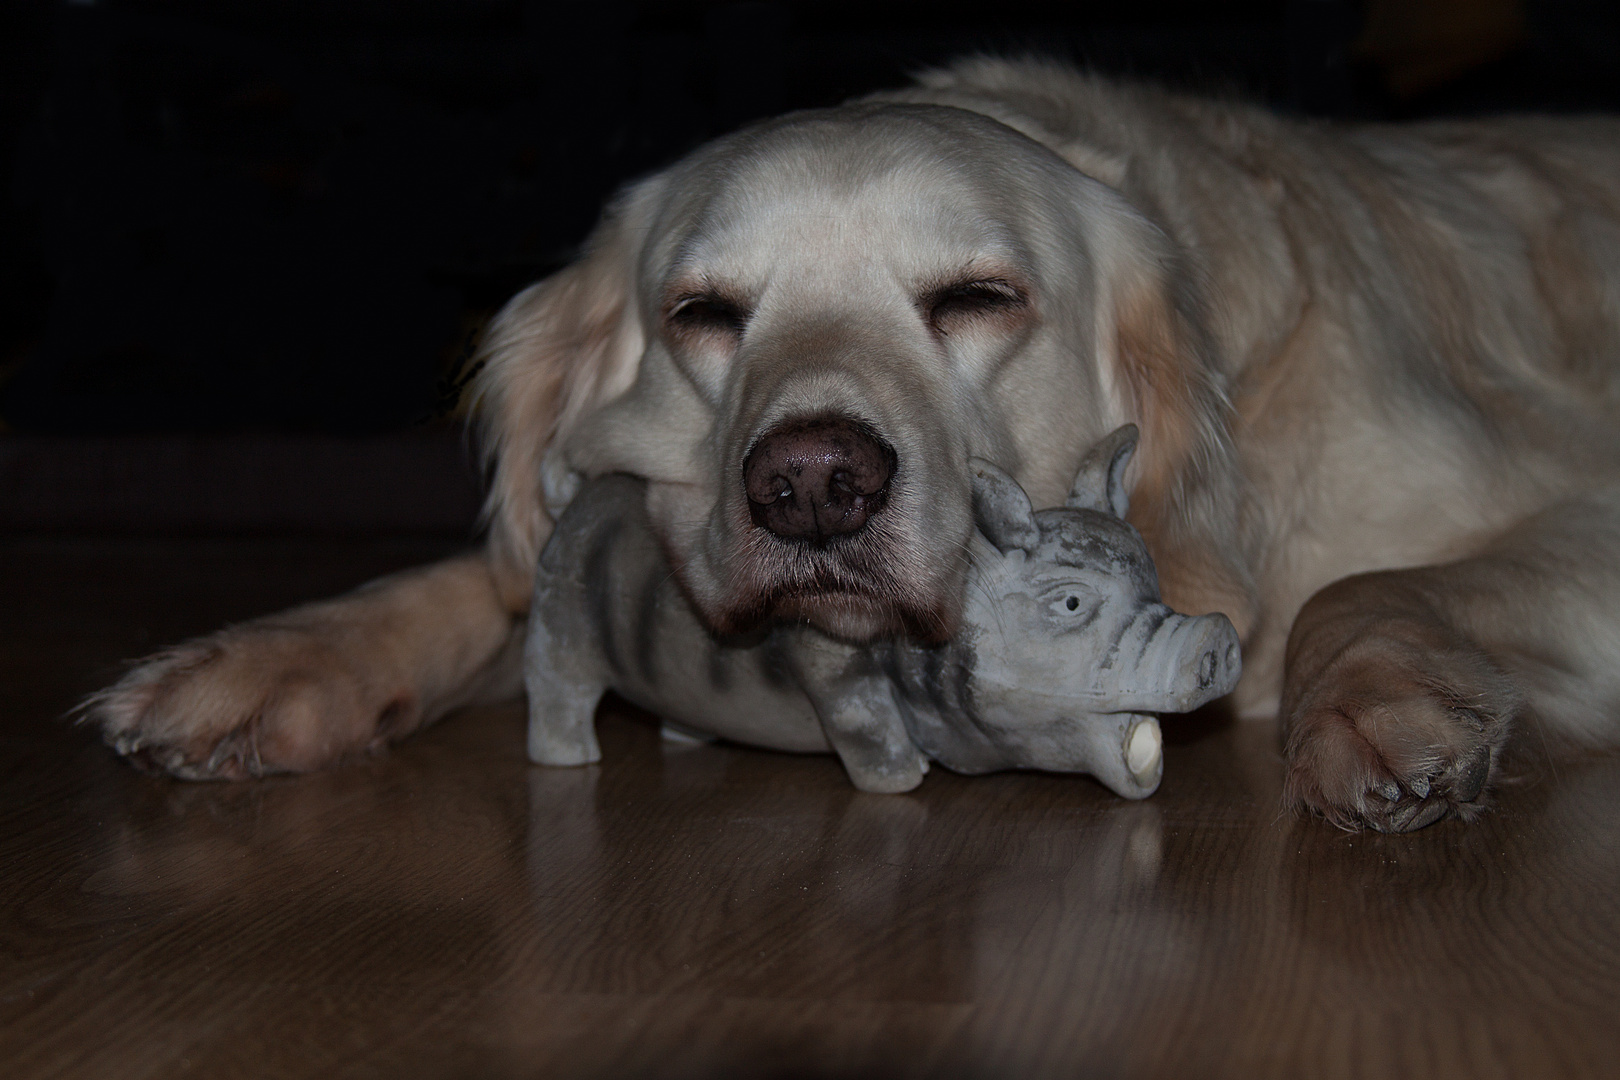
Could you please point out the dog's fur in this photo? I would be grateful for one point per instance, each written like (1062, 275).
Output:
(1377, 372)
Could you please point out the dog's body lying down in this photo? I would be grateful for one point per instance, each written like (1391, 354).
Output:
(1377, 372)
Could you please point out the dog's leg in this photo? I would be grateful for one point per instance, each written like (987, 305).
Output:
(1401, 686)
(307, 687)
(855, 701)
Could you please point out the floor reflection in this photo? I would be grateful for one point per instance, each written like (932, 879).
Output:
(803, 886)
(673, 908)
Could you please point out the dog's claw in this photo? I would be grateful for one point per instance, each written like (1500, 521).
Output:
(223, 752)
(1413, 816)
(1471, 773)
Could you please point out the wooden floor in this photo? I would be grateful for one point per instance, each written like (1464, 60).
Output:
(451, 911)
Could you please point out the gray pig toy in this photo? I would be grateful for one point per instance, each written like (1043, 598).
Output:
(1063, 654)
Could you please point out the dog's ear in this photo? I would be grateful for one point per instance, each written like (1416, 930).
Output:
(1165, 356)
(1100, 483)
(558, 351)
(1188, 490)
(1001, 509)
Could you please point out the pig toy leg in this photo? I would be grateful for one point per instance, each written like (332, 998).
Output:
(867, 735)
(855, 701)
(563, 674)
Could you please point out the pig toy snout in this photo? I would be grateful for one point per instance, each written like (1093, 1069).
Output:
(1188, 661)
(1213, 641)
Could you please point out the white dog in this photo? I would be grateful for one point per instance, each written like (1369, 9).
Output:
(1377, 373)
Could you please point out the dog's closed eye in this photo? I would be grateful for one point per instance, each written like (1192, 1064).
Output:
(954, 307)
(707, 313)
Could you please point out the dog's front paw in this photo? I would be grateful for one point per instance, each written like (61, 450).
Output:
(246, 702)
(1400, 727)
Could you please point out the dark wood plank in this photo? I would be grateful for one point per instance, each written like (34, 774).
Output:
(450, 910)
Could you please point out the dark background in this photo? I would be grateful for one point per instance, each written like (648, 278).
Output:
(291, 216)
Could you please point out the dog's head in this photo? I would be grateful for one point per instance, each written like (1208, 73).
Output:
(803, 332)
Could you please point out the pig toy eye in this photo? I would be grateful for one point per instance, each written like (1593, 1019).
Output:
(1072, 605)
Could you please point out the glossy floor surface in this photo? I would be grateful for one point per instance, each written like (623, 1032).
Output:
(451, 911)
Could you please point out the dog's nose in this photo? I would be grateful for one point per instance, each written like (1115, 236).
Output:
(815, 480)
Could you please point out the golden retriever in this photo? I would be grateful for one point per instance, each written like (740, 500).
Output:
(1377, 372)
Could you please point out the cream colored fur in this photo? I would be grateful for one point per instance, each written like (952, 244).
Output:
(1380, 351)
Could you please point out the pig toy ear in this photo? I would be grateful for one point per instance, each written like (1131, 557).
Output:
(1001, 509)
(1100, 484)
